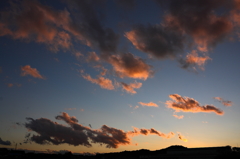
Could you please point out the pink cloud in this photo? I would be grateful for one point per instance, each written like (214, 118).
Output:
(177, 116)
(28, 70)
(129, 88)
(192, 59)
(92, 57)
(150, 104)
(34, 21)
(101, 81)
(226, 103)
(186, 104)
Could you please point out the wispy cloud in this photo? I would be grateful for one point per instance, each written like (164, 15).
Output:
(186, 104)
(151, 131)
(129, 88)
(92, 57)
(226, 103)
(182, 137)
(101, 81)
(76, 134)
(150, 104)
(178, 116)
(28, 70)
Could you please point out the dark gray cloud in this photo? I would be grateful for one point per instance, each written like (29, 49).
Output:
(49, 132)
(156, 40)
(89, 29)
(201, 20)
(5, 142)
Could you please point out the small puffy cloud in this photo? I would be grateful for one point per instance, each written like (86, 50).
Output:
(150, 104)
(156, 41)
(192, 59)
(101, 81)
(47, 131)
(226, 103)
(129, 88)
(178, 116)
(28, 70)
(6, 143)
(186, 104)
(128, 65)
(182, 137)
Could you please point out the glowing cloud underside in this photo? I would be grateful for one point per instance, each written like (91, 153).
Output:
(76, 134)
(186, 104)
(150, 104)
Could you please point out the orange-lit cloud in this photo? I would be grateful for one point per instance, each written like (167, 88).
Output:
(34, 21)
(151, 131)
(226, 103)
(192, 59)
(92, 57)
(128, 65)
(178, 116)
(129, 88)
(28, 70)
(101, 81)
(30, 20)
(182, 137)
(150, 104)
(186, 104)
(47, 131)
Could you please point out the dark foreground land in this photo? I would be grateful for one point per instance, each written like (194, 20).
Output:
(172, 152)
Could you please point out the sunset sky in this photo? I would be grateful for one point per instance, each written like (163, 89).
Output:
(114, 75)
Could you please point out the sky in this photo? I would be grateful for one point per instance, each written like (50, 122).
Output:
(98, 76)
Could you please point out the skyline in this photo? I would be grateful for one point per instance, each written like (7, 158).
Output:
(115, 75)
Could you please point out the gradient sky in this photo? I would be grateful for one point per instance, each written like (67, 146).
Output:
(114, 75)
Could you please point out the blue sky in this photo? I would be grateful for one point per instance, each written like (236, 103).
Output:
(119, 75)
